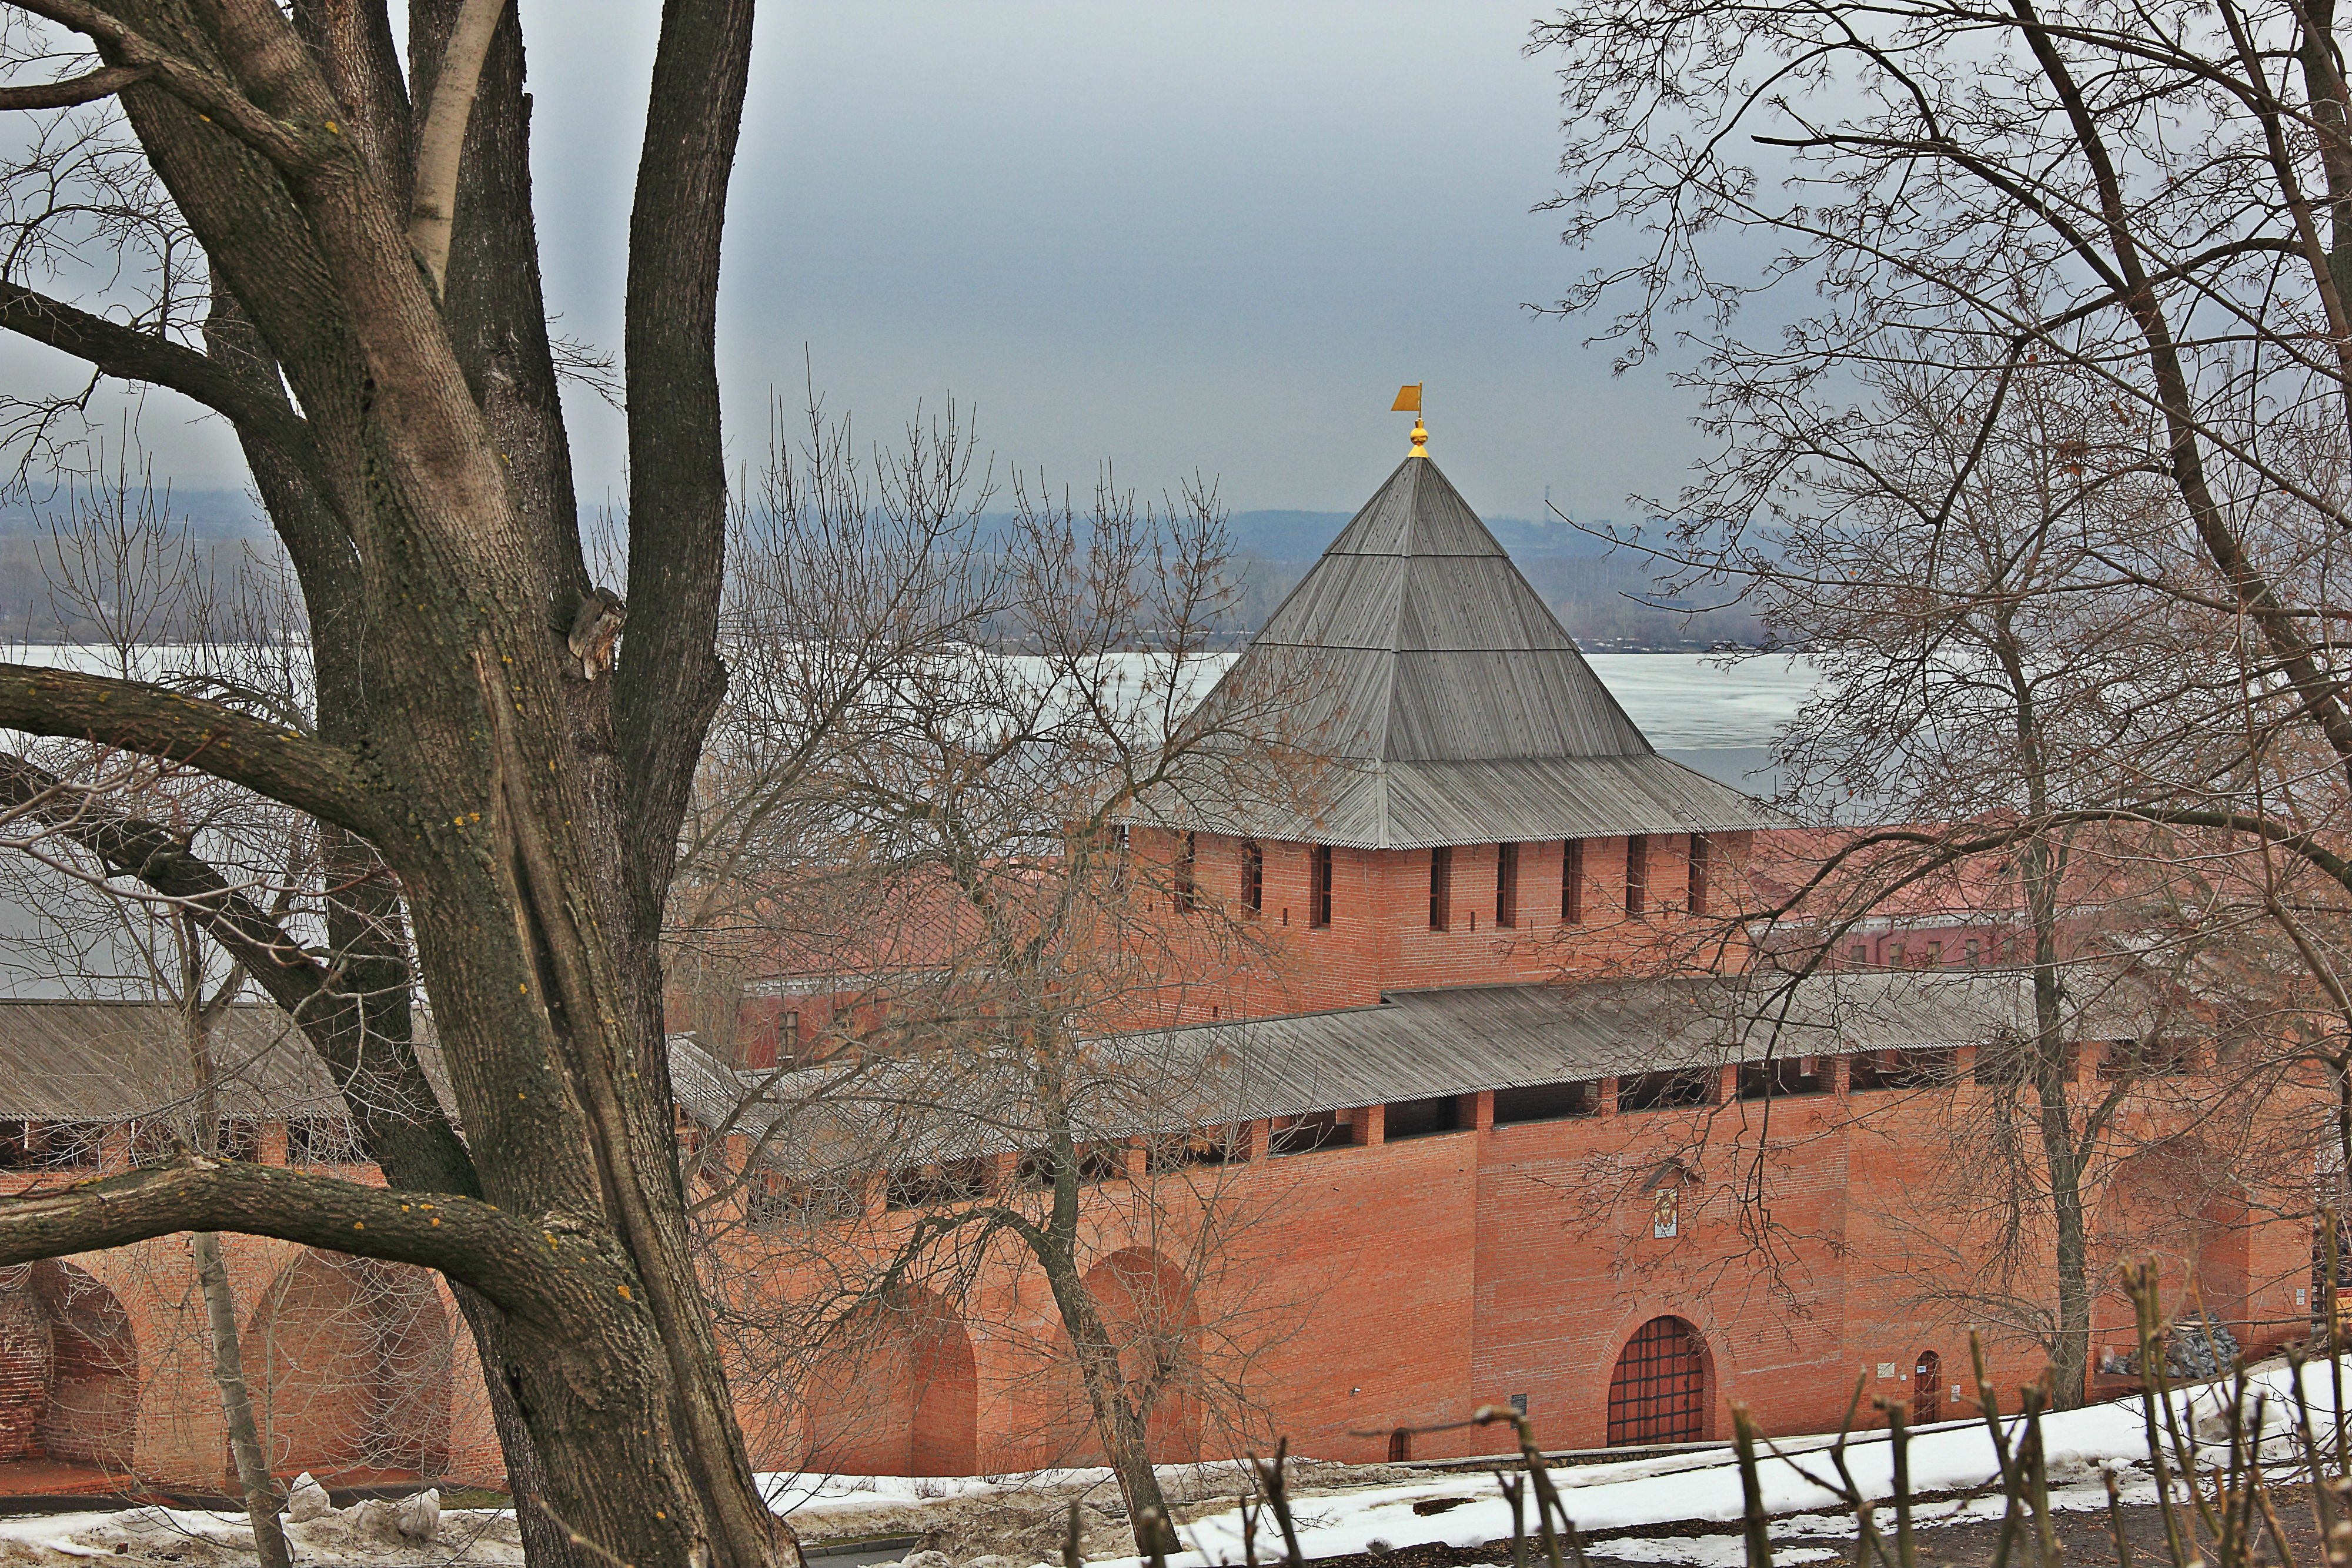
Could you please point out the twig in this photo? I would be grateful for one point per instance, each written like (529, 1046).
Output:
(1751, 1487)
(1538, 1478)
(2012, 1488)
(2037, 1479)
(2331, 1236)
(2115, 1520)
(1515, 1493)
(1907, 1551)
(1277, 1490)
(2140, 1284)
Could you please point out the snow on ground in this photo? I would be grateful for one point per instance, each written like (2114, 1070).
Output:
(1704, 1488)
(1654, 1503)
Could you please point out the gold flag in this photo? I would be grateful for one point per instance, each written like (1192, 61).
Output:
(1408, 400)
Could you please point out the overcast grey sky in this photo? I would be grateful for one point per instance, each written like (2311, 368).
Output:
(1210, 236)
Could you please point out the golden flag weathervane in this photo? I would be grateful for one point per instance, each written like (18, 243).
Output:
(1407, 401)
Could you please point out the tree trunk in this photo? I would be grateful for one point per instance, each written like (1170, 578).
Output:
(236, 1404)
(212, 1276)
(413, 461)
(1124, 1432)
(2070, 1340)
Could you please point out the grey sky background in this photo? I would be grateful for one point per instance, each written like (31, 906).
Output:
(1210, 237)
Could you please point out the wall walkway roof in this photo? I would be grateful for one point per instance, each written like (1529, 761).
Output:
(957, 1104)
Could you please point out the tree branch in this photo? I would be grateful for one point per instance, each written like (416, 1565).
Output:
(669, 682)
(88, 87)
(205, 90)
(283, 764)
(132, 355)
(401, 1122)
(531, 1270)
(433, 210)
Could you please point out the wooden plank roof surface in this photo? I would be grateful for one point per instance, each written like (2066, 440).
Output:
(1413, 1045)
(1445, 702)
(65, 1061)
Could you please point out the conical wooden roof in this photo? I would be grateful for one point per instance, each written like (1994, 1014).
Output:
(1443, 700)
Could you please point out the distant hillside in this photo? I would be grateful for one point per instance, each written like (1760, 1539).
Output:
(208, 514)
(1302, 536)
(1596, 593)
(1600, 595)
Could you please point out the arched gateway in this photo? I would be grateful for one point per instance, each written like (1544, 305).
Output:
(1658, 1392)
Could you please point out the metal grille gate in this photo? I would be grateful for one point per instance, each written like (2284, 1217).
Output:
(1658, 1392)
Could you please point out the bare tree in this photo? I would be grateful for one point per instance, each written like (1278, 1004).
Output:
(2108, 242)
(1996, 671)
(926, 811)
(478, 798)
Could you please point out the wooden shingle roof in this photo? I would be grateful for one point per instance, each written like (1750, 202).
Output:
(106, 1062)
(1444, 702)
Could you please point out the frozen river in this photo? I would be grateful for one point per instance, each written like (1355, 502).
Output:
(1718, 718)
(1695, 700)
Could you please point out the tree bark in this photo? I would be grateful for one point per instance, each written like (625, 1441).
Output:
(237, 1403)
(439, 557)
(1124, 1430)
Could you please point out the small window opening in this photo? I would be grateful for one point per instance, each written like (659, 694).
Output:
(1859, 953)
(1699, 850)
(1506, 885)
(1253, 877)
(1931, 955)
(1971, 953)
(1572, 882)
(1546, 1102)
(1893, 956)
(1318, 900)
(1420, 1118)
(922, 1186)
(1665, 1091)
(1441, 887)
(2008, 1060)
(1784, 1075)
(1097, 1162)
(1202, 1146)
(2121, 1058)
(322, 1141)
(71, 1144)
(151, 1138)
(1300, 1134)
(1637, 874)
(1901, 1069)
(1187, 863)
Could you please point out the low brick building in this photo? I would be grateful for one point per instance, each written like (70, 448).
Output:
(360, 1371)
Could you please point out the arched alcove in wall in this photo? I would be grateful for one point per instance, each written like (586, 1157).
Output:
(348, 1362)
(1659, 1388)
(897, 1394)
(69, 1369)
(1148, 1305)
(2179, 1210)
